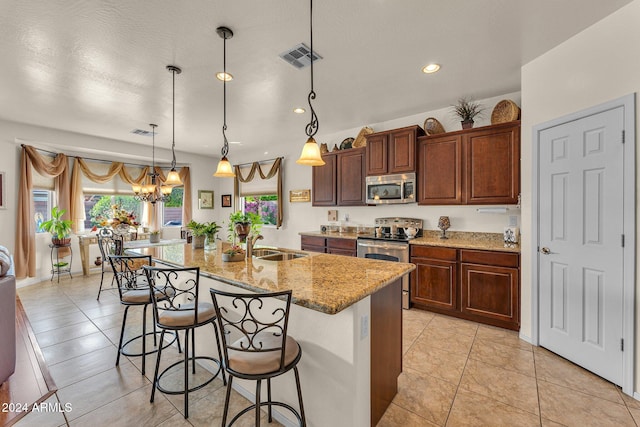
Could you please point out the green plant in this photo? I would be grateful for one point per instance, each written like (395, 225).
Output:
(234, 250)
(244, 218)
(467, 109)
(203, 228)
(58, 227)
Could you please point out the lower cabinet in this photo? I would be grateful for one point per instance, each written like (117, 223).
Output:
(330, 245)
(483, 286)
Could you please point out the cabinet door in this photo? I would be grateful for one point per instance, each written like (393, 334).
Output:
(493, 165)
(433, 284)
(440, 170)
(491, 294)
(324, 182)
(376, 154)
(351, 171)
(402, 151)
(313, 244)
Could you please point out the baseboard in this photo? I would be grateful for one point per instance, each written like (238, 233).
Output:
(526, 338)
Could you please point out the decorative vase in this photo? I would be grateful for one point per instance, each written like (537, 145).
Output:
(154, 237)
(197, 242)
(242, 230)
(232, 258)
(98, 261)
(467, 124)
(443, 224)
(121, 229)
(210, 242)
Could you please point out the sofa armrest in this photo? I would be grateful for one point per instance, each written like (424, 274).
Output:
(7, 327)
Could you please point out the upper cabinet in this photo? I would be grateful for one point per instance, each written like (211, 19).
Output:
(473, 166)
(393, 151)
(340, 182)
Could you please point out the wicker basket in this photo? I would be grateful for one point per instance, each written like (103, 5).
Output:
(505, 111)
(432, 126)
(361, 139)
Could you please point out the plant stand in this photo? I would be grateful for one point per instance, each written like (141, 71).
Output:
(60, 266)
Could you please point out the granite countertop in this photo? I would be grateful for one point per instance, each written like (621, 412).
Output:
(321, 282)
(457, 239)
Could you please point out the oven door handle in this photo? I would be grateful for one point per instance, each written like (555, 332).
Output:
(368, 245)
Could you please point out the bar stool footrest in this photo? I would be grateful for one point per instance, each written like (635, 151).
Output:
(181, 362)
(253, 407)
(155, 349)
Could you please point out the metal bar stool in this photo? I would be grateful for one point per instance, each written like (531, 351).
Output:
(133, 288)
(109, 244)
(256, 345)
(177, 308)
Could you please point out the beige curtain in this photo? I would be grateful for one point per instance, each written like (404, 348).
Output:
(255, 167)
(25, 258)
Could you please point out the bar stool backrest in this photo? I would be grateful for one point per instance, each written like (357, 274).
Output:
(175, 290)
(253, 323)
(128, 272)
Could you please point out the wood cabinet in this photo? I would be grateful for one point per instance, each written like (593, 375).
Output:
(340, 182)
(392, 151)
(478, 285)
(473, 166)
(330, 245)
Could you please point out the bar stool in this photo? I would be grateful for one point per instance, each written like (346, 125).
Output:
(133, 288)
(261, 349)
(176, 306)
(109, 244)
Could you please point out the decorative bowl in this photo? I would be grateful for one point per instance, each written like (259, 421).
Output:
(232, 258)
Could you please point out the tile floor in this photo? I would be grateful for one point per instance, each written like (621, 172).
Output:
(456, 373)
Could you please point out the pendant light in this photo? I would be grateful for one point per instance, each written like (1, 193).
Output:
(224, 169)
(173, 178)
(310, 155)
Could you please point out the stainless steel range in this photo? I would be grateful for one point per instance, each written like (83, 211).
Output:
(391, 243)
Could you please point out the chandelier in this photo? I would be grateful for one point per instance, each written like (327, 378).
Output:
(152, 192)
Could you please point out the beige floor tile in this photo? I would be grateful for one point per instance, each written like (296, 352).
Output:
(176, 421)
(134, 409)
(418, 315)
(86, 366)
(47, 414)
(471, 409)
(109, 321)
(105, 310)
(435, 362)
(635, 413)
(549, 423)
(94, 392)
(174, 380)
(628, 400)
(573, 408)
(505, 386)
(75, 347)
(445, 339)
(426, 396)
(56, 336)
(502, 336)
(454, 325)
(557, 370)
(56, 322)
(396, 416)
(37, 311)
(411, 329)
(504, 356)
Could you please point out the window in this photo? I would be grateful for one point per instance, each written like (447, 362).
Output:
(172, 209)
(264, 205)
(97, 206)
(42, 204)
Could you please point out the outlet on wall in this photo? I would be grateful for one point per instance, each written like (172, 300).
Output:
(364, 326)
(332, 215)
(513, 221)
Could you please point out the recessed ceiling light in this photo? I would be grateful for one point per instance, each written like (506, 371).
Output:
(299, 110)
(430, 68)
(224, 77)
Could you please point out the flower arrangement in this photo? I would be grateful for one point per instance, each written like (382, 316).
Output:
(119, 216)
(234, 250)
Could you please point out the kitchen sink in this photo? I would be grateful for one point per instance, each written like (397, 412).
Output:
(282, 256)
(260, 252)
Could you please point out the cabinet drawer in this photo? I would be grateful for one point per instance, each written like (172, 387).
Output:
(490, 258)
(348, 244)
(447, 254)
(345, 252)
(311, 248)
(312, 241)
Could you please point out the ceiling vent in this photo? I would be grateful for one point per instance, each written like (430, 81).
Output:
(142, 132)
(300, 56)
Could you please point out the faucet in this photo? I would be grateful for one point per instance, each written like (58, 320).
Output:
(251, 240)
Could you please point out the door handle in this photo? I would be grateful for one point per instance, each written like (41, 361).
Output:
(545, 251)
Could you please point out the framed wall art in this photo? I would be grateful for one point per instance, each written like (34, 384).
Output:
(205, 199)
(300, 195)
(226, 200)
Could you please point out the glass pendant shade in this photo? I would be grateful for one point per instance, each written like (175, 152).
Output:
(148, 189)
(136, 188)
(173, 178)
(310, 155)
(224, 169)
(166, 189)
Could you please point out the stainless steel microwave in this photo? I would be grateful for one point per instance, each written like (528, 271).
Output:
(385, 189)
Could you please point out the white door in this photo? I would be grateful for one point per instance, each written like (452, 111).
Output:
(580, 241)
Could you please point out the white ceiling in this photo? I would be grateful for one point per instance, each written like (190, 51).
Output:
(98, 67)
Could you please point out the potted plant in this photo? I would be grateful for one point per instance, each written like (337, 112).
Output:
(233, 254)
(204, 234)
(242, 224)
(467, 109)
(58, 227)
(154, 236)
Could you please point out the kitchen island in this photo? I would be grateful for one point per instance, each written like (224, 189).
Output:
(346, 315)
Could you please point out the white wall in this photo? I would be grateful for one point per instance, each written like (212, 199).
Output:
(303, 217)
(12, 133)
(597, 65)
